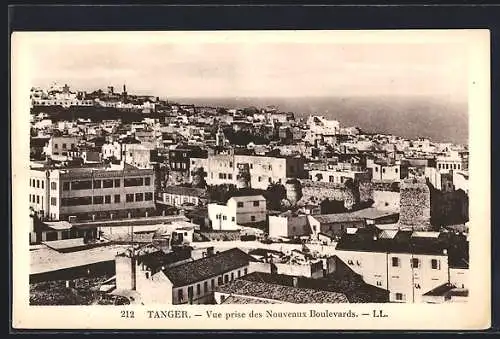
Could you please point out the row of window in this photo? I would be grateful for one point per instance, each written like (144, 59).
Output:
(242, 204)
(449, 166)
(106, 183)
(103, 199)
(224, 217)
(178, 165)
(191, 292)
(225, 176)
(35, 198)
(383, 170)
(64, 146)
(173, 199)
(36, 183)
(416, 263)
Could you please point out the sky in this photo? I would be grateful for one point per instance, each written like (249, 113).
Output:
(245, 69)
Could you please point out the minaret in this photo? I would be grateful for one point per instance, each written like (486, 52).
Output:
(124, 93)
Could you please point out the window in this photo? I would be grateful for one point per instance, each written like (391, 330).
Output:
(226, 279)
(213, 283)
(117, 198)
(376, 169)
(255, 203)
(117, 182)
(259, 179)
(53, 201)
(245, 271)
(331, 178)
(232, 276)
(219, 281)
(379, 283)
(37, 183)
(129, 182)
(64, 146)
(148, 196)
(76, 201)
(107, 183)
(56, 146)
(252, 218)
(139, 197)
(435, 264)
(81, 185)
(230, 164)
(224, 217)
(396, 170)
(239, 273)
(107, 199)
(37, 199)
(230, 176)
(399, 296)
(32, 183)
(41, 183)
(53, 186)
(240, 204)
(72, 146)
(97, 183)
(147, 181)
(190, 294)
(395, 261)
(233, 219)
(224, 175)
(97, 200)
(383, 170)
(129, 198)
(30, 197)
(205, 287)
(198, 289)
(414, 262)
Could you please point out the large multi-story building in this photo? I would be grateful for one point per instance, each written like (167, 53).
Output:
(91, 192)
(224, 168)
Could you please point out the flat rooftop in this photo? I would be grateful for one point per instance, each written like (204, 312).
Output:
(47, 260)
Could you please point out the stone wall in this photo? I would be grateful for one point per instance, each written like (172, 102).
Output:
(415, 204)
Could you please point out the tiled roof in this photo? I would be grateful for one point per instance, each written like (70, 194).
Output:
(246, 300)
(208, 267)
(281, 293)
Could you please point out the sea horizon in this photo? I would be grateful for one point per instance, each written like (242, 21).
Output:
(437, 118)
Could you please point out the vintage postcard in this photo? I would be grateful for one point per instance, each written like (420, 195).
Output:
(251, 180)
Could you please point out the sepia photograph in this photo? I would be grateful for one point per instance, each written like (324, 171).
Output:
(252, 169)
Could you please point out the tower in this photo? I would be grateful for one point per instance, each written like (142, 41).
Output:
(415, 204)
(220, 138)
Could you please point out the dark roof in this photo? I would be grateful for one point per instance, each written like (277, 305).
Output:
(441, 290)
(283, 293)
(155, 260)
(367, 239)
(207, 267)
(344, 281)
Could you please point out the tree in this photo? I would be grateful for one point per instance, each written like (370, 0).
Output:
(274, 194)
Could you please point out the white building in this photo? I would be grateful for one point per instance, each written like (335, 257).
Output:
(224, 168)
(407, 264)
(238, 211)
